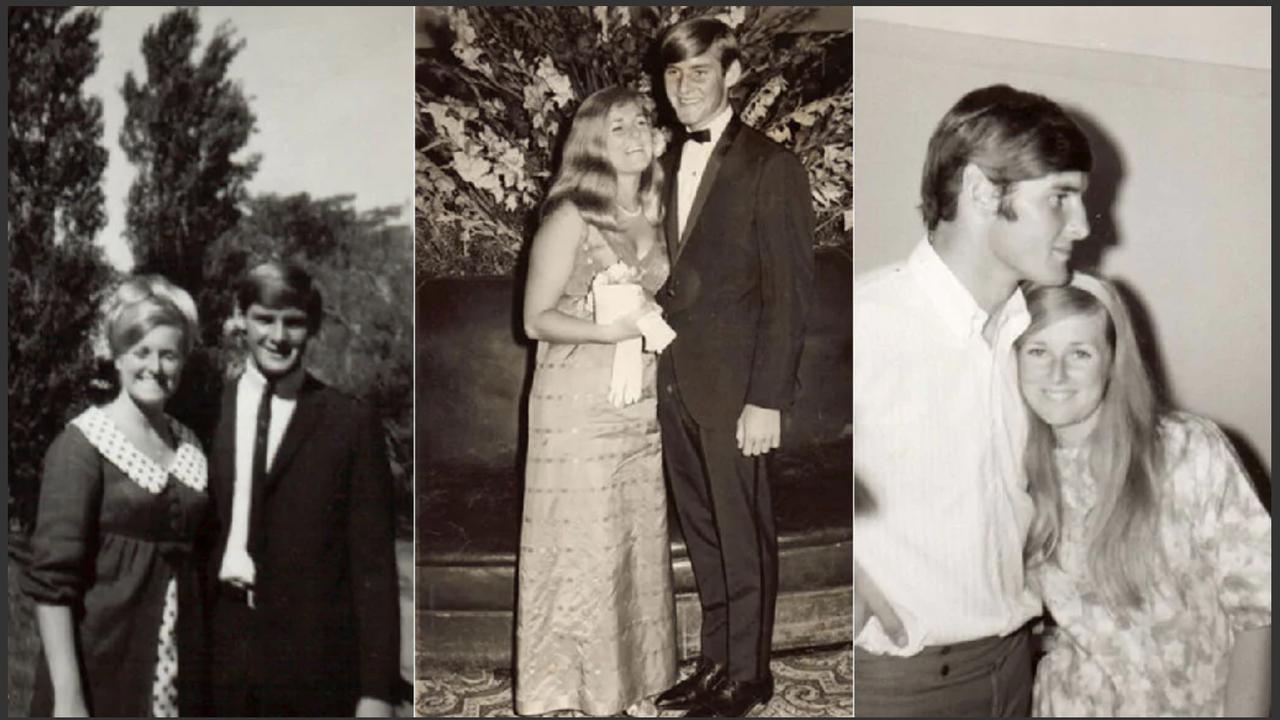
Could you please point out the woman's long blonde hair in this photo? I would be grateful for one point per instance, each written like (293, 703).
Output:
(587, 178)
(1124, 453)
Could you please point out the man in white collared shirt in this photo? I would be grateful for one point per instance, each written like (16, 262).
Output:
(304, 617)
(938, 422)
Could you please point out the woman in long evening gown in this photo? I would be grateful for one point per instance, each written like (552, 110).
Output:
(595, 618)
(121, 500)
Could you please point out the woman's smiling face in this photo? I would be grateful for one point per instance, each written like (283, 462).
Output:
(1063, 370)
(628, 139)
(151, 368)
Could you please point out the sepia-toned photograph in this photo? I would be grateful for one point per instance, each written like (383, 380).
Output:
(210, 298)
(1062, 362)
(494, 361)
(634, 267)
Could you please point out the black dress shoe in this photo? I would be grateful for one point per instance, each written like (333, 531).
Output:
(735, 698)
(707, 676)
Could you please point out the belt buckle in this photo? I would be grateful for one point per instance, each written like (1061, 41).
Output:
(248, 598)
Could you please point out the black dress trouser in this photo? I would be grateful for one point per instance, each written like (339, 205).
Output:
(726, 516)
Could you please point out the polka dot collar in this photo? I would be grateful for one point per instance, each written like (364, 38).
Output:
(189, 465)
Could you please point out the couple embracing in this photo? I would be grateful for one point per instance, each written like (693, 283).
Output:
(718, 234)
(1019, 465)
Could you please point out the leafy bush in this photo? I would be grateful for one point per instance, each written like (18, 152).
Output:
(496, 97)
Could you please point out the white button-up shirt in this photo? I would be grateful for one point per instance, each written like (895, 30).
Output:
(693, 163)
(939, 430)
(237, 566)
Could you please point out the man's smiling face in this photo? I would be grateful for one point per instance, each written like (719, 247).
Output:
(277, 338)
(698, 88)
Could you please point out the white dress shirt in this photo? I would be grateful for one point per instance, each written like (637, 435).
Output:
(237, 566)
(693, 163)
(939, 429)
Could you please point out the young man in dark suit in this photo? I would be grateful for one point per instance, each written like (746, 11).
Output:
(739, 227)
(305, 613)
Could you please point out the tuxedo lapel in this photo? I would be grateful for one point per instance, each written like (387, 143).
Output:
(708, 182)
(305, 414)
(308, 411)
(671, 218)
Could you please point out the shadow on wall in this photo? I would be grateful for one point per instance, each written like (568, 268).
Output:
(1259, 474)
(1149, 347)
(1101, 198)
(1102, 195)
(1148, 340)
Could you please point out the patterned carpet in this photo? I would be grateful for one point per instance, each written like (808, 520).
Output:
(813, 683)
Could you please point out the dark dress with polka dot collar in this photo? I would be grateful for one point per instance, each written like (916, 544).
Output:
(113, 541)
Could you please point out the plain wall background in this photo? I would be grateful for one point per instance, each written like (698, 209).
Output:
(1180, 197)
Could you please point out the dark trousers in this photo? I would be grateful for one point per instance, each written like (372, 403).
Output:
(248, 675)
(230, 669)
(990, 677)
(726, 516)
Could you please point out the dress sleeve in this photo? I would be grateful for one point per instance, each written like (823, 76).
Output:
(1233, 528)
(66, 521)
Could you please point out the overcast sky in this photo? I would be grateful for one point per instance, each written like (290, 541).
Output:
(332, 89)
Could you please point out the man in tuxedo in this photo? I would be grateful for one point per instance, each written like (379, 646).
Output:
(304, 616)
(739, 228)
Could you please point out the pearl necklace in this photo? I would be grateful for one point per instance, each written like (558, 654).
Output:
(625, 212)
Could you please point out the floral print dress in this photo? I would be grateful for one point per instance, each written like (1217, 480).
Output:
(1171, 656)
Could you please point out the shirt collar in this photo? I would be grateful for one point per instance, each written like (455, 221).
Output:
(953, 301)
(253, 377)
(286, 388)
(718, 124)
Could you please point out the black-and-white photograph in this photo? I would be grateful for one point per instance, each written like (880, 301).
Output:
(1062, 362)
(210, 298)
(634, 267)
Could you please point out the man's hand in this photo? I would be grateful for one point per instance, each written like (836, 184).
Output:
(869, 602)
(759, 430)
(372, 707)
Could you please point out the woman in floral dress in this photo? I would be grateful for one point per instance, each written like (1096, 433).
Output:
(121, 500)
(1149, 545)
(595, 617)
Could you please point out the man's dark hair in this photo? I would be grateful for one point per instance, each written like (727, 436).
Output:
(281, 284)
(695, 36)
(1009, 134)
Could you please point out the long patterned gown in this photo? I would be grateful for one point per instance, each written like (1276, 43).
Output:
(595, 617)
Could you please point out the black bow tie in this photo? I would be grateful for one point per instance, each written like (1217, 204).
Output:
(699, 136)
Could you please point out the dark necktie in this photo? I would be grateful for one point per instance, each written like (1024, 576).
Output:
(700, 136)
(262, 428)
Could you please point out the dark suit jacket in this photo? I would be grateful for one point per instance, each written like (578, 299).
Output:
(322, 539)
(741, 280)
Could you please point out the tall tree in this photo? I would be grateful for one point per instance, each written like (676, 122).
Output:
(56, 273)
(183, 128)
